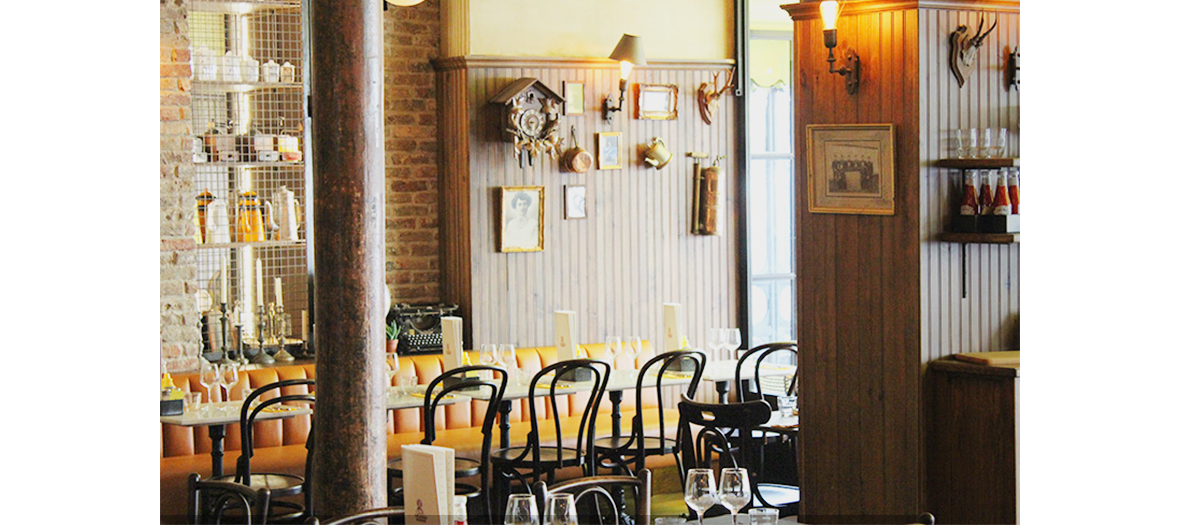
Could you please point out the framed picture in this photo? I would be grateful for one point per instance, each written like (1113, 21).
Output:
(656, 101)
(521, 218)
(850, 168)
(608, 150)
(575, 97)
(575, 202)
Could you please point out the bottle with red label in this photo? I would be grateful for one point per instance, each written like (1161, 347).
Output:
(985, 193)
(1000, 203)
(970, 203)
(1014, 189)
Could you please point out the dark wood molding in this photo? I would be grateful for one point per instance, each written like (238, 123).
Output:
(810, 10)
(487, 61)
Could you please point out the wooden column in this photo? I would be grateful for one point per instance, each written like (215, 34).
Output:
(348, 136)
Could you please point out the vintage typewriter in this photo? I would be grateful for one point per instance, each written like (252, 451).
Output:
(421, 326)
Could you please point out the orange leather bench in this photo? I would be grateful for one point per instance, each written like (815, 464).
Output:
(279, 444)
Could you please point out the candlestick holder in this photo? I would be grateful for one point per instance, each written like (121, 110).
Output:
(226, 347)
(281, 324)
(262, 358)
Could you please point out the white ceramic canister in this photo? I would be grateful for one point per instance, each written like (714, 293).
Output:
(249, 69)
(270, 71)
(287, 72)
(216, 222)
(231, 67)
(206, 65)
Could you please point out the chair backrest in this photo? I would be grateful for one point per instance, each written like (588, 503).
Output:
(250, 411)
(366, 517)
(720, 425)
(599, 373)
(212, 502)
(692, 360)
(759, 354)
(595, 494)
(458, 379)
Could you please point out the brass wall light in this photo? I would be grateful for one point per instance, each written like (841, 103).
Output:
(629, 53)
(829, 12)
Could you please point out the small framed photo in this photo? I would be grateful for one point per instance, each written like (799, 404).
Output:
(656, 101)
(575, 97)
(521, 220)
(850, 169)
(575, 202)
(608, 150)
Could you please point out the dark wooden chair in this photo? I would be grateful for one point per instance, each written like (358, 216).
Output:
(629, 452)
(727, 432)
(534, 460)
(759, 354)
(367, 517)
(216, 502)
(280, 485)
(785, 441)
(437, 390)
(597, 497)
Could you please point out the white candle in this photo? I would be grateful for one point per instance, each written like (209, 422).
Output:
(258, 279)
(279, 291)
(224, 282)
(305, 332)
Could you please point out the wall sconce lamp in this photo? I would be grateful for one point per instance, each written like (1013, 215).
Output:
(829, 11)
(629, 53)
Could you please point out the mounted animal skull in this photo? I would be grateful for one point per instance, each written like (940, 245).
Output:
(709, 96)
(964, 49)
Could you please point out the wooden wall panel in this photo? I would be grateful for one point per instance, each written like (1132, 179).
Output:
(615, 268)
(986, 318)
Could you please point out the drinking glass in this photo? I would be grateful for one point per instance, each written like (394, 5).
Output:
(700, 492)
(634, 348)
(999, 144)
(210, 378)
(973, 142)
(229, 377)
(715, 342)
(522, 510)
(763, 516)
(487, 354)
(614, 347)
(559, 510)
(733, 339)
(961, 147)
(734, 490)
(392, 365)
(192, 402)
(408, 384)
(987, 142)
(507, 355)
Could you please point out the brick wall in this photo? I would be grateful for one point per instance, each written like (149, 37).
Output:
(179, 328)
(412, 38)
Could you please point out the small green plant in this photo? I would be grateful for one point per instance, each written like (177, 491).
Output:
(392, 330)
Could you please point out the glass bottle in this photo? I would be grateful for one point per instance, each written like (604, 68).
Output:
(970, 203)
(1014, 190)
(985, 194)
(1000, 203)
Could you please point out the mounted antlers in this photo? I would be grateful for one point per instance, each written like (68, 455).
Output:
(964, 48)
(709, 96)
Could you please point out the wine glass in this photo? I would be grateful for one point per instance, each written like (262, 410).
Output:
(507, 355)
(210, 378)
(732, 339)
(522, 510)
(487, 354)
(559, 510)
(699, 491)
(734, 490)
(614, 349)
(715, 341)
(633, 349)
(392, 365)
(229, 377)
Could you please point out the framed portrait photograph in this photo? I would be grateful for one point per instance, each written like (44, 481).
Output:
(608, 150)
(575, 202)
(575, 97)
(521, 220)
(656, 101)
(850, 168)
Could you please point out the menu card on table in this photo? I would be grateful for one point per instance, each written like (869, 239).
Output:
(567, 335)
(673, 327)
(452, 337)
(431, 493)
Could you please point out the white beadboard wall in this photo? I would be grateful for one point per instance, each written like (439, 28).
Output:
(987, 318)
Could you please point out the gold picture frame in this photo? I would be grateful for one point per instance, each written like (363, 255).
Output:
(850, 169)
(520, 218)
(656, 101)
(575, 97)
(610, 152)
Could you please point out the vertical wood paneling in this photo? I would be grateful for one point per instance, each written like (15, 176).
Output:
(631, 254)
(986, 318)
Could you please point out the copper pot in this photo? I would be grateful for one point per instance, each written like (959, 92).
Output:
(576, 159)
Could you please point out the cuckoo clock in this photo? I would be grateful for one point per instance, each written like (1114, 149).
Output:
(530, 118)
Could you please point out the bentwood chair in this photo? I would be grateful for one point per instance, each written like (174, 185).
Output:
(759, 354)
(596, 497)
(529, 463)
(726, 431)
(630, 452)
(768, 389)
(442, 386)
(365, 517)
(216, 502)
(280, 485)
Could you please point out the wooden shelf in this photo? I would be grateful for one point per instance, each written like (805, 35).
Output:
(981, 238)
(277, 163)
(242, 87)
(987, 164)
(259, 244)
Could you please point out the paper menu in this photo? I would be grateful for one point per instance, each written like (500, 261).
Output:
(673, 327)
(567, 335)
(430, 497)
(452, 337)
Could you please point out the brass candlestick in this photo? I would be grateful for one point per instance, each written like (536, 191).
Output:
(281, 325)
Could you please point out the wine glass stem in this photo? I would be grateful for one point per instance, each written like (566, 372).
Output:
(735, 517)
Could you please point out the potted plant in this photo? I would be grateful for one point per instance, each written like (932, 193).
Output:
(392, 331)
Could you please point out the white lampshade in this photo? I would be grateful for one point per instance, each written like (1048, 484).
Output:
(404, 3)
